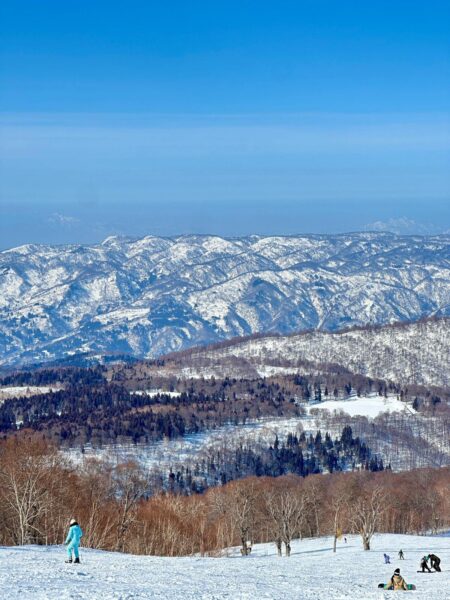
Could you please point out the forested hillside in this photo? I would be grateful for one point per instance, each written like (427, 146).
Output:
(405, 353)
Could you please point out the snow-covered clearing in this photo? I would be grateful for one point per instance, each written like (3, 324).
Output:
(368, 406)
(313, 572)
(153, 393)
(20, 391)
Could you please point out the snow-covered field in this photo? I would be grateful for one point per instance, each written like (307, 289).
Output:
(26, 390)
(313, 572)
(20, 391)
(153, 393)
(368, 406)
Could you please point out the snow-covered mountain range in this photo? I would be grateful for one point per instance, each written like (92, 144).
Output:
(153, 295)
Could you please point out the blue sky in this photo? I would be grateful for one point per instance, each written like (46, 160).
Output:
(222, 117)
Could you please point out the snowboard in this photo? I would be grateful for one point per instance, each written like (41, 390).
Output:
(410, 586)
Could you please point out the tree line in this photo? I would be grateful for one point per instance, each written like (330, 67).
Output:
(110, 413)
(47, 376)
(40, 491)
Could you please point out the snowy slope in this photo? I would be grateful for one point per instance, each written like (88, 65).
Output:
(369, 406)
(415, 353)
(313, 572)
(150, 296)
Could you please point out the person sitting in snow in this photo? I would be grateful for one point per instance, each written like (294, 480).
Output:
(396, 582)
(73, 541)
(424, 564)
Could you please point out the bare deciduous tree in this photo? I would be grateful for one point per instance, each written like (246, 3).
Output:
(286, 508)
(338, 504)
(366, 511)
(130, 484)
(99, 521)
(27, 475)
(242, 510)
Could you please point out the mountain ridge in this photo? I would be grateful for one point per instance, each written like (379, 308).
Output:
(149, 296)
(415, 353)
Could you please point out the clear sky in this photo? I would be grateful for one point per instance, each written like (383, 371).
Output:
(144, 117)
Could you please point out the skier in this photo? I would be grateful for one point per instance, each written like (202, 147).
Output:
(424, 564)
(396, 582)
(435, 562)
(73, 541)
(401, 555)
(387, 559)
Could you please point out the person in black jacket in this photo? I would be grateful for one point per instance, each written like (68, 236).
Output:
(435, 562)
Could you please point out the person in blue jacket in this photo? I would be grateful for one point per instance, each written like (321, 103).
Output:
(73, 541)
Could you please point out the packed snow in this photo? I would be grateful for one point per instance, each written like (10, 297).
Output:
(312, 572)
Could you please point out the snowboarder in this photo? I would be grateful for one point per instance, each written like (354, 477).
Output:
(73, 541)
(435, 562)
(424, 564)
(387, 559)
(401, 555)
(396, 582)
(345, 540)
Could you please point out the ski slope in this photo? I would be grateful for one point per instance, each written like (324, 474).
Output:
(313, 572)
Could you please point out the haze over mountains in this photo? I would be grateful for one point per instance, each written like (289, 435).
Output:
(154, 295)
